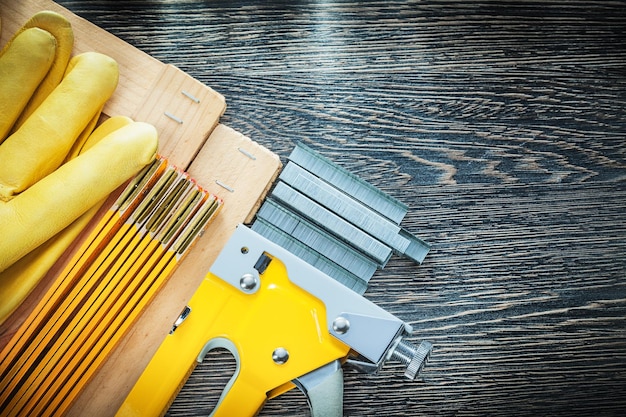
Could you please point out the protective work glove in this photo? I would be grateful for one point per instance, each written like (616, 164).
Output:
(55, 169)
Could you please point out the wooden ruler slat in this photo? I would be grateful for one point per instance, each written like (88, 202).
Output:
(135, 274)
(95, 242)
(96, 246)
(80, 326)
(131, 308)
(126, 318)
(219, 159)
(44, 329)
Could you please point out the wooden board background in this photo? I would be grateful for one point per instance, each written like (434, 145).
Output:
(502, 124)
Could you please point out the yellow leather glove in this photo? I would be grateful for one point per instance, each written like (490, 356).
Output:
(48, 36)
(54, 171)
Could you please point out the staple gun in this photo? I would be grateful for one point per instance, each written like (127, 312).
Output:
(288, 308)
(287, 325)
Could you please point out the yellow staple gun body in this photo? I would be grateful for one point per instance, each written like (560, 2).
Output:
(286, 323)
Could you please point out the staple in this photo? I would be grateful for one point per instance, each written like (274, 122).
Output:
(190, 96)
(174, 118)
(246, 153)
(349, 183)
(221, 184)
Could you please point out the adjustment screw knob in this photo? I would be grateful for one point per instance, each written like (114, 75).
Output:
(413, 358)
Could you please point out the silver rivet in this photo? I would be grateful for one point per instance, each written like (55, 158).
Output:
(280, 355)
(248, 282)
(341, 325)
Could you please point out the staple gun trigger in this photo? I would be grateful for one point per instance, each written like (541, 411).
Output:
(323, 388)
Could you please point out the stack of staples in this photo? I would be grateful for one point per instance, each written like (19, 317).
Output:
(335, 221)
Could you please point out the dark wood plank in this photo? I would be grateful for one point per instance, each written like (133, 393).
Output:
(502, 124)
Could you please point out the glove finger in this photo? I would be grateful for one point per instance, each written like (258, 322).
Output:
(33, 49)
(18, 280)
(43, 141)
(105, 128)
(57, 200)
(61, 29)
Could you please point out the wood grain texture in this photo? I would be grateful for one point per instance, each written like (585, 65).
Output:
(501, 123)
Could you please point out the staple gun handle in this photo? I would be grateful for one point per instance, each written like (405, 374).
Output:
(324, 390)
(240, 396)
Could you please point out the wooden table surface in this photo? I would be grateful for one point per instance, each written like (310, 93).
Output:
(502, 125)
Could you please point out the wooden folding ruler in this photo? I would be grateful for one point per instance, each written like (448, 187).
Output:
(106, 284)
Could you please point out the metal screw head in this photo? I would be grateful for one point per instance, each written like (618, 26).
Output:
(280, 355)
(341, 325)
(248, 282)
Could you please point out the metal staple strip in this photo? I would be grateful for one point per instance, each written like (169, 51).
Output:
(317, 239)
(322, 211)
(332, 223)
(350, 183)
(417, 250)
(344, 206)
(310, 256)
